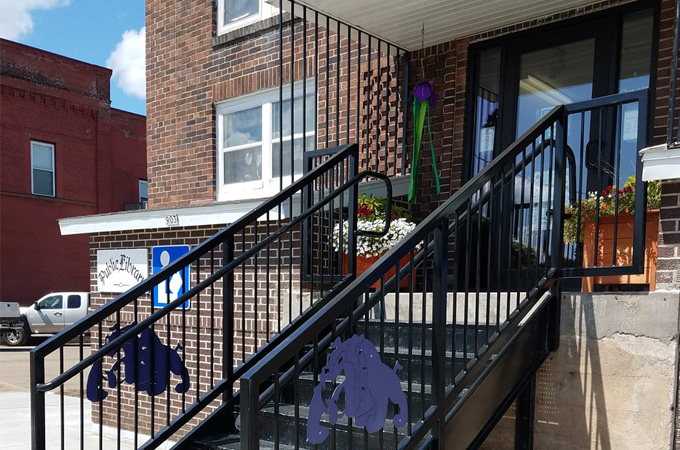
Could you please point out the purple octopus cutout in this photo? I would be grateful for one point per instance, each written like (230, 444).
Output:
(368, 386)
(148, 371)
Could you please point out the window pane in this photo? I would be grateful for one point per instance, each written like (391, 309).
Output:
(243, 127)
(636, 50)
(42, 156)
(276, 165)
(143, 191)
(43, 182)
(243, 165)
(53, 302)
(73, 302)
(309, 117)
(554, 76)
(486, 107)
(240, 9)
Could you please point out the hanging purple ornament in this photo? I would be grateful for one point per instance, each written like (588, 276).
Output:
(424, 91)
(424, 98)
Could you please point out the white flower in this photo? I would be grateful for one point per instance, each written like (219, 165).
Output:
(369, 246)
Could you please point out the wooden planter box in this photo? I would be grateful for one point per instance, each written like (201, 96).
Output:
(363, 263)
(624, 250)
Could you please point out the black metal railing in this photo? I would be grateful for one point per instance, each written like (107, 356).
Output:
(673, 139)
(353, 85)
(606, 135)
(473, 309)
(168, 359)
(459, 306)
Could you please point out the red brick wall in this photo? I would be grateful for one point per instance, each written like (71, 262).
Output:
(189, 71)
(99, 155)
(249, 331)
(668, 264)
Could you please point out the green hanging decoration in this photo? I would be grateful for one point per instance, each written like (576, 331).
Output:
(423, 98)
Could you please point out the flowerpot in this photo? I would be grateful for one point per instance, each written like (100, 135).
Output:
(624, 250)
(363, 263)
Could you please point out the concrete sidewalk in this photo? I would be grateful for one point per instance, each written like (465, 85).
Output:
(15, 401)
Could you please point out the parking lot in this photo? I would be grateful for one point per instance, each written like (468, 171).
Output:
(15, 368)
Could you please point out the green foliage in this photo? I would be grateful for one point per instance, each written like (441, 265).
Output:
(605, 205)
(373, 208)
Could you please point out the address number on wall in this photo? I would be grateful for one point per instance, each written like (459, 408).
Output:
(172, 219)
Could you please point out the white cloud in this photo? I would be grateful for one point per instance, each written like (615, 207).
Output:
(15, 16)
(128, 62)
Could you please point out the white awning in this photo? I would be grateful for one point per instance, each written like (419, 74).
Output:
(401, 21)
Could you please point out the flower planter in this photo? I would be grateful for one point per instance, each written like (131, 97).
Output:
(363, 263)
(624, 250)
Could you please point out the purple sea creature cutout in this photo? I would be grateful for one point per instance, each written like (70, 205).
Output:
(137, 360)
(368, 386)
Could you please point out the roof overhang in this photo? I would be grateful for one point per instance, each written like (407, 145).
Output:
(401, 22)
(660, 163)
(213, 214)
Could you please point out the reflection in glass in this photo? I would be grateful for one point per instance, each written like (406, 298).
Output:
(554, 76)
(636, 51)
(309, 116)
(243, 127)
(243, 165)
(235, 10)
(42, 157)
(486, 108)
(276, 149)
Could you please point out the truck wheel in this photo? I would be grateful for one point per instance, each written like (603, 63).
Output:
(16, 337)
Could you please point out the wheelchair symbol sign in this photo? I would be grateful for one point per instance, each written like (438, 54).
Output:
(178, 283)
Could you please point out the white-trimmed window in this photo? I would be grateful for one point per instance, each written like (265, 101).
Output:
(143, 191)
(233, 14)
(42, 169)
(249, 142)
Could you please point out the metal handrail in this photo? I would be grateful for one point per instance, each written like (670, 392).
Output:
(212, 242)
(250, 381)
(39, 387)
(136, 329)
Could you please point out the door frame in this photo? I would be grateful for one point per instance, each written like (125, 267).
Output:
(604, 25)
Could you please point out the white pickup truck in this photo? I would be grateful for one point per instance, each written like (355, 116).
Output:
(47, 316)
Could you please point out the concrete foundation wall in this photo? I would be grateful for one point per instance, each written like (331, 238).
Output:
(611, 384)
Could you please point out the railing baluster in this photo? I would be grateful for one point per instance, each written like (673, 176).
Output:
(37, 401)
(439, 290)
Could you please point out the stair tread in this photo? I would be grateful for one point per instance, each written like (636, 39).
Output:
(415, 386)
(289, 411)
(233, 442)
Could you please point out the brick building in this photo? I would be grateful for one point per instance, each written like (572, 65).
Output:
(238, 104)
(64, 152)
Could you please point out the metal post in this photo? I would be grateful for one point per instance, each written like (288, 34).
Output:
(404, 113)
(353, 219)
(228, 319)
(441, 237)
(250, 435)
(38, 402)
(524, 425)
(557, 238)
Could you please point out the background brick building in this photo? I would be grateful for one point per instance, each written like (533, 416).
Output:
(64, 152)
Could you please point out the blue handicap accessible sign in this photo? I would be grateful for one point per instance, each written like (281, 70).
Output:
(178, 283)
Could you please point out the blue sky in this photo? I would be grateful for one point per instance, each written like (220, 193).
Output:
(107, 33)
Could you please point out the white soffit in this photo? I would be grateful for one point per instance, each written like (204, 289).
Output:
(401, 21)
(213, 214)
